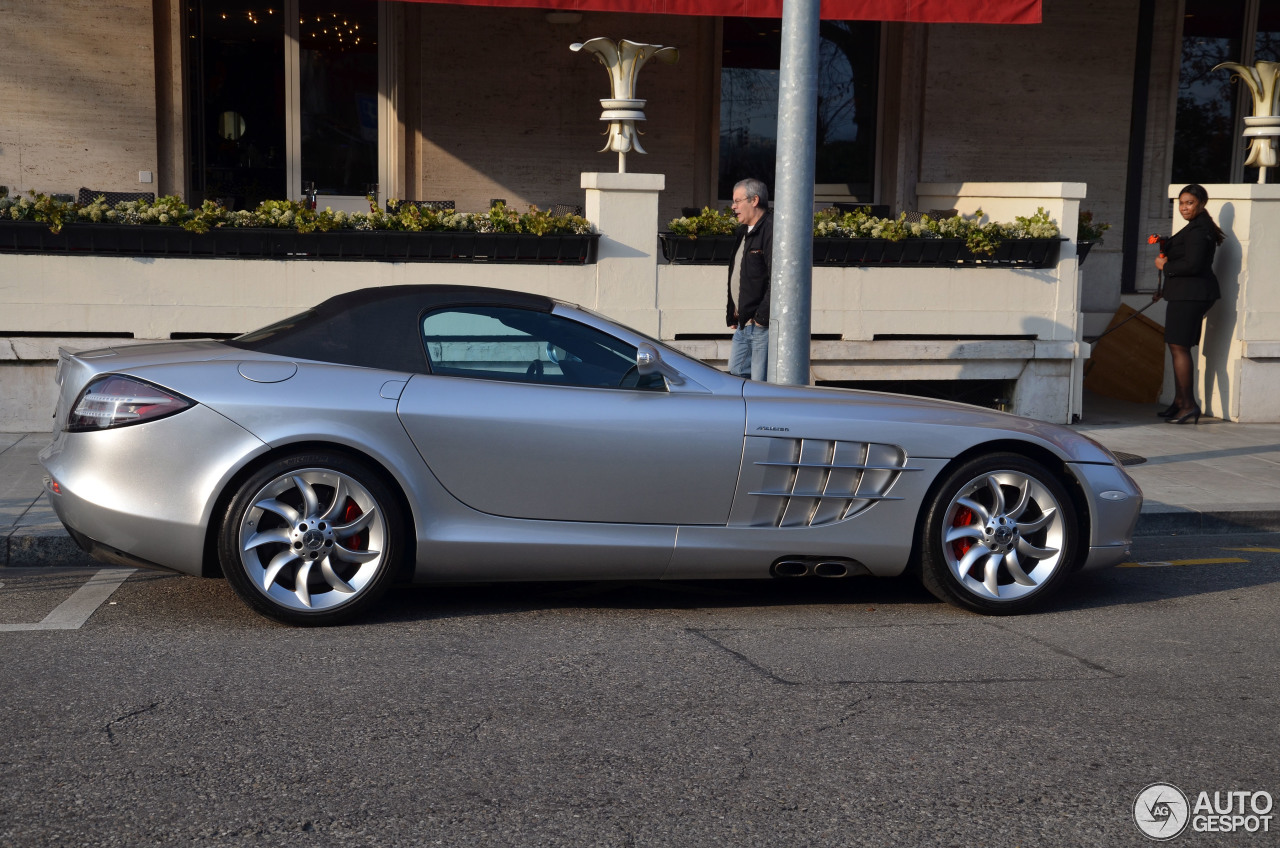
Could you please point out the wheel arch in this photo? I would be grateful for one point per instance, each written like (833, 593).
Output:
(210, 566)
(1051, 461)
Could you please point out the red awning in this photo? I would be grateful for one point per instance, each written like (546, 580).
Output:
(917, 11)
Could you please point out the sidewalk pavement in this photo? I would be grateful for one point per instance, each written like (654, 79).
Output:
(1214, 478)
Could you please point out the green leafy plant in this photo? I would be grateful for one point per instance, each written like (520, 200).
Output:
(286, 214)
(832, 223)
(980, 238)
(37, 207)
(1088, 229)
(1039, 225)
(709, 222)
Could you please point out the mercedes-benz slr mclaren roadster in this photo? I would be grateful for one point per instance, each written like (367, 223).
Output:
(441, 434)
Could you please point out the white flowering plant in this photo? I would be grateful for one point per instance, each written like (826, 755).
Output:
(981, 238)
(36, 207)
(708, 222)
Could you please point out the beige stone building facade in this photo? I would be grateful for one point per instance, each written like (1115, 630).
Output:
(232, 100)
(490, 103)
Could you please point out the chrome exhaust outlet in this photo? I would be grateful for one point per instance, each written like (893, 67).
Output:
(799, 566)
(791, 568)
(831, 569)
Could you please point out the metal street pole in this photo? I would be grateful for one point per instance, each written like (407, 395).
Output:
(792, 282)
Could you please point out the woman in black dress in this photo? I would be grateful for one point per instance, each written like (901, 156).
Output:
(1190, 287)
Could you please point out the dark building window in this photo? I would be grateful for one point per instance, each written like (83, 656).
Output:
(338, 82)
(242, 106)
(236, 73)
(1208, 146)
(848, 67)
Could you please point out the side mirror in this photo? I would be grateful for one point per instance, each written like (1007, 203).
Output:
(649, 361)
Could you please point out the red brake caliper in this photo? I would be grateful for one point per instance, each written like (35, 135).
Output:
(964, 517)
(350, 513)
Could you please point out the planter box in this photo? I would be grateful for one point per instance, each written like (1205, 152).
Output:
(1082, 250)
(341, 245)
(847, 252)
(1025, 253)
(704, 250)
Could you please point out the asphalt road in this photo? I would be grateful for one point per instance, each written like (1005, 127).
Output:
(160, 711)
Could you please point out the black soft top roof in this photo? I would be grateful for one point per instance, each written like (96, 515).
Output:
(377, 327)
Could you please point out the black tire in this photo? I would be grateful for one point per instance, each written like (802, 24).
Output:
(1000, 535)
(311, 539)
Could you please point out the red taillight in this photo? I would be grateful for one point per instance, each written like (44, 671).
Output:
(115, 401)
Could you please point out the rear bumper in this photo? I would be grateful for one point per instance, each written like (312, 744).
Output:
(108, 554)
(145, 494)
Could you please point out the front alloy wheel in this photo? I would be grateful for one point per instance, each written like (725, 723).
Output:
(311, 539)
(1000, 535)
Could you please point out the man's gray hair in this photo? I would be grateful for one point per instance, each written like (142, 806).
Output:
(754, 188)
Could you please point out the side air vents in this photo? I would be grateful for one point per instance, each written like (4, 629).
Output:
(813, 482)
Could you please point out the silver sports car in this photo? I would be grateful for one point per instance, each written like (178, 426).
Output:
(449, 434)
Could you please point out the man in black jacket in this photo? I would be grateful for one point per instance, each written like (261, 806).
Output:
(749, 273)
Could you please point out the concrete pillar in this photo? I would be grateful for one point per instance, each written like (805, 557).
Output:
(1041, 383)
(1238, 364)
(624, 207)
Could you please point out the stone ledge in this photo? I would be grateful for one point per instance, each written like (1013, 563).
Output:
(606, 181)
(908, 350)
(42, 349)
(1260, 350)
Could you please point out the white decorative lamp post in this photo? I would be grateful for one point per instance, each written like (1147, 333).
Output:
(623, 62)
(1262, 128)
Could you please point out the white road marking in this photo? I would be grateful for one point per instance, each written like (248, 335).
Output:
(72, 613)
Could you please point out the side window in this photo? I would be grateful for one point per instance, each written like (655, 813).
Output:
(521, 345)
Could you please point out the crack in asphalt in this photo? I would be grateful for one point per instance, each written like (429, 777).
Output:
(111, 735)
(856, 708)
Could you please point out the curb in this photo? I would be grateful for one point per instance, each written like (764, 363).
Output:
(1208, 523)
(43, 546)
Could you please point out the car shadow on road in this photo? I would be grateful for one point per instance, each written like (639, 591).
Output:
(1130, 586)
(178, 598)
(426, 602)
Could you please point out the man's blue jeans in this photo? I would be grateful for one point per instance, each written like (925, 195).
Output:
(749, 356)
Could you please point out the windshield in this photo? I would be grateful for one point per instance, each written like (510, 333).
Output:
(644, 336)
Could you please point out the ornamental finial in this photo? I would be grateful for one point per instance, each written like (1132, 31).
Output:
(623, 61)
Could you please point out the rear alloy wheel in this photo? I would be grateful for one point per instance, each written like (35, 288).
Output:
(311, 539)
(1000, 535)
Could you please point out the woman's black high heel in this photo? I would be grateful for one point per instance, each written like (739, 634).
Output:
(1170, 412)
(1193, 416)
